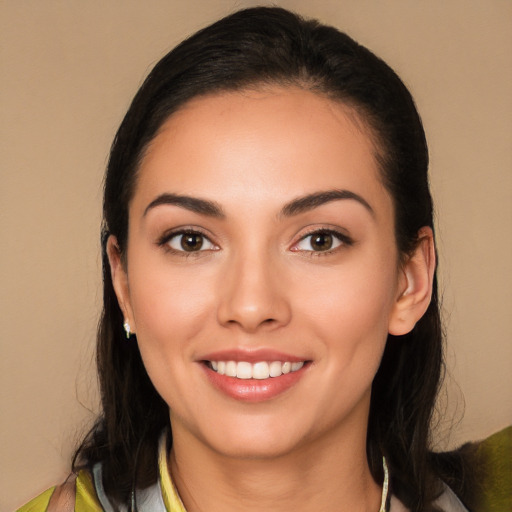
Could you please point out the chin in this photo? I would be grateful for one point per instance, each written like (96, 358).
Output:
(256, 441)
(258, 447)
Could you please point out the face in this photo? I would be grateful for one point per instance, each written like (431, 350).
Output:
(262, 274)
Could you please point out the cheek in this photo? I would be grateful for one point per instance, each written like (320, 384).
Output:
(349, 312)
(169, 301)
(350, 318)
(356, 296)
(171, 310)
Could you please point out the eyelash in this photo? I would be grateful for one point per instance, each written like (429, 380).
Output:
(165, 240)
(343, 239)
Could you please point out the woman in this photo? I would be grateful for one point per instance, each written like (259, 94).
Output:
(270, 338)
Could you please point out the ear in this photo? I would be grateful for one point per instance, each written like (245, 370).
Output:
(120, 281)
(415, 286)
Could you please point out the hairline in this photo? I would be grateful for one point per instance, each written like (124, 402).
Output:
(357, 113)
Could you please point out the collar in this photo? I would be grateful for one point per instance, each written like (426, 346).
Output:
(170, 494)
(173, 501)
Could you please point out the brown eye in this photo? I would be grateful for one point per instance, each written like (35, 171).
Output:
(321, 241)
(190, 242)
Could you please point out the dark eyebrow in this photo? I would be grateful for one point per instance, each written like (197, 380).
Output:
(194, 204)
(311, 201)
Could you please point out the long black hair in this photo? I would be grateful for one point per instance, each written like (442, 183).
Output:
(249, 48)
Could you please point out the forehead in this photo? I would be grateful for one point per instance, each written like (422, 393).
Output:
(250, 142)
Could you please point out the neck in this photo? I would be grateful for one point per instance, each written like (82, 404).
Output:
(331, 475)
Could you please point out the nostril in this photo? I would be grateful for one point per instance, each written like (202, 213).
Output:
(253, 324)
(251, 307)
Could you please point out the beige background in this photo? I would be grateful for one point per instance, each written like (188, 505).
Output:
(69, 70)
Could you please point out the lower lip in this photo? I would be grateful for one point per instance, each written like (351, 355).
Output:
(254, 390)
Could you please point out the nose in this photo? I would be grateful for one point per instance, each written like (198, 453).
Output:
(253, 294)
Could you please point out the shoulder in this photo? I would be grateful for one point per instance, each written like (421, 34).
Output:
(480, 473)
(448, 501)
(76, 493)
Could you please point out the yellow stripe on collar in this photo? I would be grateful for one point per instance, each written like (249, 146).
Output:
(86, 499)
(171, 497)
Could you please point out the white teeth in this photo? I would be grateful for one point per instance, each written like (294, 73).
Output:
(231, 369)
(243, 370)
(260, 370)
(275, 369)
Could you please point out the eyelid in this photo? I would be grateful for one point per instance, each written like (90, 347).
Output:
(164, 240)
(343, 239)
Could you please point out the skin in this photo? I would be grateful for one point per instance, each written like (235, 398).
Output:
(257, 282)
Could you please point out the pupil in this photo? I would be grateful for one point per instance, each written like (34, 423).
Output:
(321, 242)
(191, 242)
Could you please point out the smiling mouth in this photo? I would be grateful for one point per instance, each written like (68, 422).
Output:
(260, 370)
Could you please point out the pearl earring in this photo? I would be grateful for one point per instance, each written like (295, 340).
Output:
(126, 326)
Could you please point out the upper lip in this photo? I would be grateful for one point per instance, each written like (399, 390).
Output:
(251, 356)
